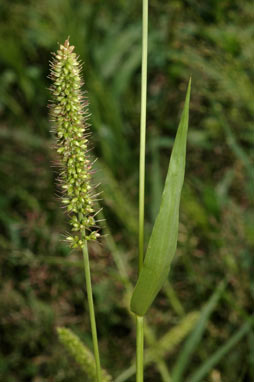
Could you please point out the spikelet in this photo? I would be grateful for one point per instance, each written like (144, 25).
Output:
(69, 113)
(81, 354)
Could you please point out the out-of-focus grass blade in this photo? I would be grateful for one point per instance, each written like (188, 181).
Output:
(236, 148)
(111, 54)
(251, 353)
(115, 197)
(163, 240)
(173, 299)
(173, 338)
(123, 74)
(195, 338)
(220, 353)
(159, 349)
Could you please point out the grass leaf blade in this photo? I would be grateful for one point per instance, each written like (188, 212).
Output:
(220, 353)
(163, 240)
(195, 337)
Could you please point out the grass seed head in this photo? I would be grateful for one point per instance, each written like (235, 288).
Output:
(68, 111)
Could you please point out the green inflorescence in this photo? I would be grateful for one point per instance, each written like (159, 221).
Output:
(81, 354)
(69, 112)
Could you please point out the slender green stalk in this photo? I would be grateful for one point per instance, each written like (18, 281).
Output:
(91, 312)
(143, 133)
(140, 349)
(140, 320)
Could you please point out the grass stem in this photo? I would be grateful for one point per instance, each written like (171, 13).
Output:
(91, 312)
(140, 349)
(143, 133)
(140, 320)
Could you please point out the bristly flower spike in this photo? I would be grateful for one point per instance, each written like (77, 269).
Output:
(69, 113)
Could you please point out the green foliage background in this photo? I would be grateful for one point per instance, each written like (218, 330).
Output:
(42, 282)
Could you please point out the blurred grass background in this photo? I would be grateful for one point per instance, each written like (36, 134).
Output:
(42, 282)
